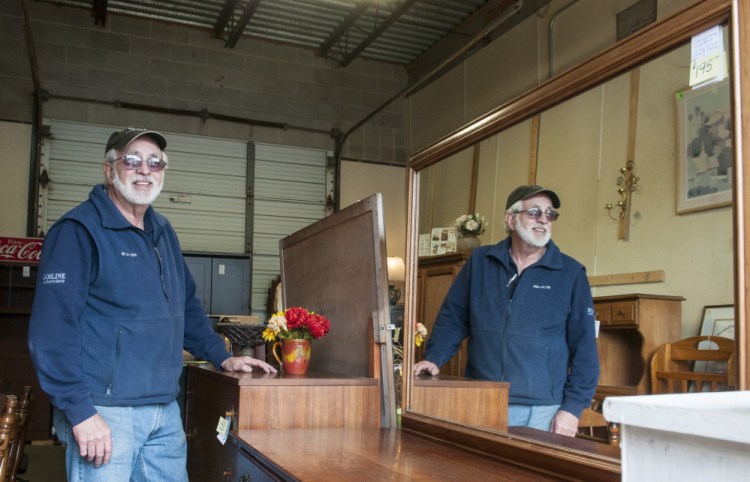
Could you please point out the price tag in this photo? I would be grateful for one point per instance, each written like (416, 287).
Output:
(707, 56)
(223, 429)
(710, 67)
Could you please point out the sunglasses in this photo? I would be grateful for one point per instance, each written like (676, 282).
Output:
(133, 162)
(536, 213)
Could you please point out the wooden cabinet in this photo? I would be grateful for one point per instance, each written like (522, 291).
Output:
(259, 401)
(435, 275)
(632, 328)
(17, 283)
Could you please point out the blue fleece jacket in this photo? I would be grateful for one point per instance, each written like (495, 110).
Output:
(535, 330)
(113, 309)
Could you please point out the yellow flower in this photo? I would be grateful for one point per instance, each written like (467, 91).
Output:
(420, 334)
(276, 324)
(268, 334)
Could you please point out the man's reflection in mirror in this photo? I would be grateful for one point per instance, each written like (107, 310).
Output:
(527, 311)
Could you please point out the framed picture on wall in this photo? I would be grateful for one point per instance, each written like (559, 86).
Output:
(718, 320)
(704, 147)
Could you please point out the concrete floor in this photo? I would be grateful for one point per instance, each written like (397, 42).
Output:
(46, 463)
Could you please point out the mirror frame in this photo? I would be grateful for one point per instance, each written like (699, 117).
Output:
(549, 452)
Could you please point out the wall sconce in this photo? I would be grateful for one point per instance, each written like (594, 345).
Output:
(396, 269)
(626, 184)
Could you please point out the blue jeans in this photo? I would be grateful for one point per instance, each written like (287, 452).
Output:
(532, 416)
(148, 445)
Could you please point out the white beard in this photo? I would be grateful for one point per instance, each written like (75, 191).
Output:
(134, 195)
(528, 235)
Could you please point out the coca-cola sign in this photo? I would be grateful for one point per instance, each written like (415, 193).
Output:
(21, 250)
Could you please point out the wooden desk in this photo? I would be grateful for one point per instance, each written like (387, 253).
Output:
(362, 455)
(632, 328)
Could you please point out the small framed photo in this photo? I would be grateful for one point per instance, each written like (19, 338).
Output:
(718, 320)
(424, 245)
(704, 147)
(443, 240)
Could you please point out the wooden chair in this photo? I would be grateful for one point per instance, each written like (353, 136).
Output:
(8, 423)
(593, 426)
(673, 365)
(13, 422)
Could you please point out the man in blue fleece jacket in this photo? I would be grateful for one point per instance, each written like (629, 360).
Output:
(114, 307)
(527, 311)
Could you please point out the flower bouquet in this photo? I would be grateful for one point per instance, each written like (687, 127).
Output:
(296, 324)
(295, 327)
(470, 224)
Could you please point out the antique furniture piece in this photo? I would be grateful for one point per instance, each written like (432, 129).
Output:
(674, 368)
(632, 328)
(593, 426)
(435, 275)
(535, 451)
(257, 401)
(525, 111)
(8, 423)
(13, 424)
(333, 268)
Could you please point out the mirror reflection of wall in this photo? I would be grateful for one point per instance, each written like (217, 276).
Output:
(582, 144)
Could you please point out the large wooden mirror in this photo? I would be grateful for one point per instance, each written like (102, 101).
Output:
(585, 128)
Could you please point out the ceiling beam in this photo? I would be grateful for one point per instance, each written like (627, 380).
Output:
(226, 13)
(455, 41)
(382, 27)
(239, 29)
(334, 37)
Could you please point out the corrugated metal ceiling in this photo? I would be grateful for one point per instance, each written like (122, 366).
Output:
(398, 31)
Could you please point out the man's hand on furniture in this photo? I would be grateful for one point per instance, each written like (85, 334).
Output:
(565, 423)
(245, 364)
(426, 367)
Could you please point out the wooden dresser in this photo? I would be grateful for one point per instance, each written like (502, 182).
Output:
(632, 327)
(435, 275)
(260, 401)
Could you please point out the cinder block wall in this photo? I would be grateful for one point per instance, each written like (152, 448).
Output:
(179, 67)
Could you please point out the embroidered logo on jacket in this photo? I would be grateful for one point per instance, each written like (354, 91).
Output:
(542, 287)
(53, 278)
(128, 255)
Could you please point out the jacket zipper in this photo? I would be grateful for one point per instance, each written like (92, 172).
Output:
(114, 366)
(164, 286)
(508, 313)
(161, 272)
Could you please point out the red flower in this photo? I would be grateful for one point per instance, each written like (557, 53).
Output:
(295, 317)
(298, 323)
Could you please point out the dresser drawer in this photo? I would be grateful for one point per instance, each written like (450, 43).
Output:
(602, 312)
(622, 313)
(616, 313)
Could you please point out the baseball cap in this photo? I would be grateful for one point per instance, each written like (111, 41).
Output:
(525, 192)
(120, 139)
